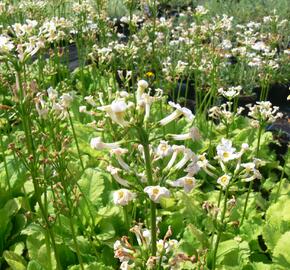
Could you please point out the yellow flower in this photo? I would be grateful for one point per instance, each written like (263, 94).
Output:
(149, 74)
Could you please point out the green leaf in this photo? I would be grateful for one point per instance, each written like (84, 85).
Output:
(92, 185)
(15, 261)
(233, 253)
(34, 265)
(281, 253)
(277, 222)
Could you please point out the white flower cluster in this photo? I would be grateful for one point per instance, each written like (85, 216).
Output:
(52, 103)
(264, 112)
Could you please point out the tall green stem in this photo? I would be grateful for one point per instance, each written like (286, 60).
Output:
(145, 143)
(251, 183)
(76, 140)
(220, 231)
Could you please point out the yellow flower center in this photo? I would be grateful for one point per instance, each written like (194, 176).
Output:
(121, 194)
(224, 179)
(155, 191)
(188, 181)
(226, 154)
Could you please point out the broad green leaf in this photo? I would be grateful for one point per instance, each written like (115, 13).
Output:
(277, 221)
(15, 261)
(34, 265)
(92, 185)
(233, 253)
(281, 253)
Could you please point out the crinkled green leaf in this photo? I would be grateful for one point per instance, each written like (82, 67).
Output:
(281, 253)
(15, 261)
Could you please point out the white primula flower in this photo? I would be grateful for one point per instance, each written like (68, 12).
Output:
(179, 111)
(98, 144)
(66, 100)
(193, 134)
(250, 172)
(163, 149)
(116, 112)
(90, 100)
(82, 109)
(115, 173)
(5, 44)
(225, 151)
(176, 150)
(126, 266)
(117, 152)
(155, 193)
(141, 86)
(224, 180)
(123, 196)
(231, 92)
(187, 182)
(52, 94)
(188, 154)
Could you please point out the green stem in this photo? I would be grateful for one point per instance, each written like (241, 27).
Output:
(251, 183)
(280, 182)
(220, 231)
(27, 125)
(145, 143)
(76, 140)
(5, 164)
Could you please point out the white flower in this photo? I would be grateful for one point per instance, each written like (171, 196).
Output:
(115, 173)
(225, 151)
(123, 196)
(176, 149)
(90, 100)
(116, 112)
(264, 111)
(193, 167)
(188, 154)
(164, 149)
(155, 193)
(5, 44)
(126, 266)
(66, 100)
(118, 152)
(52, 94)
(224, 180)
(179, 111)
(187, 182)
(250, 172)
(193, 134)
(82, 109)
(98, 144)
(142, 85)
(231, 92)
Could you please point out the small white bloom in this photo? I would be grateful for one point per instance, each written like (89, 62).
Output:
(52, 94)
(224, 180)
(142, 85)
(188, 154)
(155, 193)
(123, 196)
(90, 100)
(98, 144)
(115, 173)
(187, 182)
(193, 134)
(225, 151)
(179, 111)
(116, 112)
(164, 149)
(66, 100)
(82, 109)
(118, 152)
